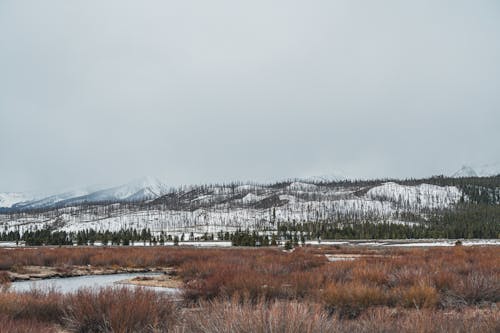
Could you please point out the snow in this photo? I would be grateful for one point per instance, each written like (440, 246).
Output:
(248, 188)
(299, 186)
(251, 198)
(326, 178)
(439, 243)
(141, 189)
(9, 244)
(485, 170)
(409, 243)
(341, 257)
(423, 195)
(326, 242)
(465, 171)
(53, 199)
(211, 209)
(138, 190)
(8, 199)
(206, 244)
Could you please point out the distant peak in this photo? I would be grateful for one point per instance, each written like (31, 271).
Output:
(465, 171)
(485, 170)
(145, 181)
(331, 177)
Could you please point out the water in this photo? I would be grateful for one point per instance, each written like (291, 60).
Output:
(72, 284)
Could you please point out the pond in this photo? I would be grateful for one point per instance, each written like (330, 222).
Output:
(72, 284)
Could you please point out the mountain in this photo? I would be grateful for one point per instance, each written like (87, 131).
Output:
(143, 189)
(9, 199)
(229, 207)
(486, 170)
(51, 200)
(465, 171)
(326, 178)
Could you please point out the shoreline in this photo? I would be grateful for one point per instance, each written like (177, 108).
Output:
(35, 273)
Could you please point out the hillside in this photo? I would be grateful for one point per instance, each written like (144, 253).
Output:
(228, 208)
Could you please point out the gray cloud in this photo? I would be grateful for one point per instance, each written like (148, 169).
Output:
(196, 91)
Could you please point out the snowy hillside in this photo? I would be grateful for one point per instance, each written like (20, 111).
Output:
(50, 200)
(423, 195)
(139, 190)
(211, 208)
(8, 199)
(485, 170)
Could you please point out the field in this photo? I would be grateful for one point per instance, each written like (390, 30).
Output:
(310, 289)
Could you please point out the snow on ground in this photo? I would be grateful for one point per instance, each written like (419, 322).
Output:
(477, 242)
(299, 186)
(408, 242)
(8, 244)
(356, 243)
(8, 199)
(211, 209)
(423, 195)
(326, 242)
(251, 198)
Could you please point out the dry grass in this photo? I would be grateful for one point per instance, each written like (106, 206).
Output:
(281, 316)
(247, 317)
(447, 288)
(419, 278)
(390, 320)
(349, 300)
(36, 305)
(10, 325)
(119, 311)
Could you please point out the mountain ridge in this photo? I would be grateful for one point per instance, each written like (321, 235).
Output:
(485, 170)
(151, 188)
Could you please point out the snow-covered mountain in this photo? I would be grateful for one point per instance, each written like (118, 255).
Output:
(465, 171)
(485, 170)
(50, 200)
(211, 208)
(326, 178)
(9, 199)
(143, 189)
(138, 190)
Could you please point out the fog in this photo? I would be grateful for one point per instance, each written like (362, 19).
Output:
(102, 92)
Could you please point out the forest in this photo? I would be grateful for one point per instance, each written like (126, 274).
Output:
(276, 214)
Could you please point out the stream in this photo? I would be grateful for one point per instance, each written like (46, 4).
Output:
(72, 284)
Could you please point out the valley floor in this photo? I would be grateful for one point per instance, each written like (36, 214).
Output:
(323, 288)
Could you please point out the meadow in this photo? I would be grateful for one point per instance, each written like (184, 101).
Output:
(266, 290)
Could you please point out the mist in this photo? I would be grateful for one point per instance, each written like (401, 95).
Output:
(95, 92)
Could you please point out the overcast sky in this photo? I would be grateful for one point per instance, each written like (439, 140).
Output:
(102, 92)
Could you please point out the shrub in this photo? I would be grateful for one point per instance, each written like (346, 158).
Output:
(246, 317)
(34, 305)
(4, 278)
(349, 300)
(10, 325)
(420, 296)
(120, 311)
(477, 287)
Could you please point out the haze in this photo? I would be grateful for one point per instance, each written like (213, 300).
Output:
(102, 92)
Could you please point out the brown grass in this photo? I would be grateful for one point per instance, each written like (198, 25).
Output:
(281, 316)
(350, 299)
(119, 311)
(10, 325)
(388, 320)
(247, 317)
(37, 305)
(424, 280)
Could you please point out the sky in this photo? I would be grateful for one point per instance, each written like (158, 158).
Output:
(102, 92)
